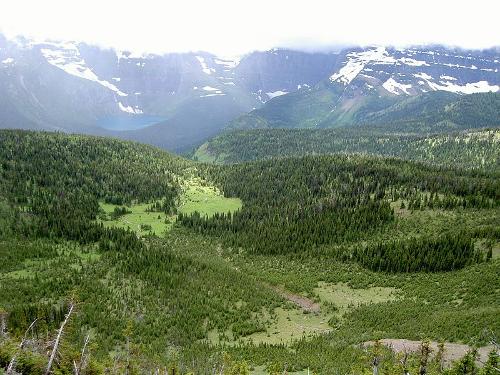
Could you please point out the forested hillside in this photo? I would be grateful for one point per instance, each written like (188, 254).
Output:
(299, 204)
(470, 149)
(120, 258)
(425, 113)
(437, 112)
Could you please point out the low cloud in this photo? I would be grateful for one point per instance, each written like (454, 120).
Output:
(236, 27)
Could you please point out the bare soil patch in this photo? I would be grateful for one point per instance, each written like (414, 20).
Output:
(452, 351)
(304, 303)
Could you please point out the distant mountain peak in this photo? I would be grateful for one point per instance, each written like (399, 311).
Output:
(66, 56)
(176, 100)
(357, 61)
(413, 71)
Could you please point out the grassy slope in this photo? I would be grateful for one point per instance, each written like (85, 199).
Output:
(158, 221)
(301, 109)
(327, 106)
(453, 306)
(197, 195)
(223, 289)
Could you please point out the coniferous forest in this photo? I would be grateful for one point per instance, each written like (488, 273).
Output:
(117, 257)
(470, 149)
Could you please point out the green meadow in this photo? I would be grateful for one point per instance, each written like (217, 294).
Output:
(197, 195)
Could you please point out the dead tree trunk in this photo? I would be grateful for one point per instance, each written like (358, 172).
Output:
(83, 358)
(58, 339)
(12, 362)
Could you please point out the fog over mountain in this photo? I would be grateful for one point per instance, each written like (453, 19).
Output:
(176, 74)
(239, 187)
(228, 27)
(178, 100)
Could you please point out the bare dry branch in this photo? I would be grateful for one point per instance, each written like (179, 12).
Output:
(21, 346)
(83, 357)
(58, 339)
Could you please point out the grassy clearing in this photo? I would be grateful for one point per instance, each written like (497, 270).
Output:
(66, 255)
(206, 199)
(400, 212)
(335, 299)
(139, 220)
(345, 298)
(202, 154)
(287, 325)
(282, 327)
(197, 195)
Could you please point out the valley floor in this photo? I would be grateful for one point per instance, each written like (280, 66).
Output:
(264, 267)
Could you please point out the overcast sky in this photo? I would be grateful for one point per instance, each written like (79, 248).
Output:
(234, 27)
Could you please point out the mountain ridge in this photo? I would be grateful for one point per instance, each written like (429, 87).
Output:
(365, 83)
(178, 100)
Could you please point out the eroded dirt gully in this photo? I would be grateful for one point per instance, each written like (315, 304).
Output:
(304, 303)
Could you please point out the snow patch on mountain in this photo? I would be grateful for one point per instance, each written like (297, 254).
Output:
(356, 62)
(130, 55)
(129, 109)
(274, 94)
(413, 62)
(423, 76)
(8, 61)
(66, 57)
(445, 85)
(395, 87)
(450, 65)
(215, 94)
(468, 88)
(204, 65)
(212, 92)
(448, 78)
(228, 62)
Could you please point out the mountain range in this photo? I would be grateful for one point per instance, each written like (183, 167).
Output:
(381, 85)
(178, 100)
(327, 208)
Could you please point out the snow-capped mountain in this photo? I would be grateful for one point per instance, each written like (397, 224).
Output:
(177, 100)
(368, 84)
(413, 71)
(278, 72)
(77, 87)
